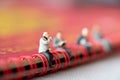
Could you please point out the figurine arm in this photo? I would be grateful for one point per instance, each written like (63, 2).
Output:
(50, 39)
(55, 42)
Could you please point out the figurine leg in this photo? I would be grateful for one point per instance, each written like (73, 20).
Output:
(107, 46)
(69, 53)
(49, 56)
(88, 47)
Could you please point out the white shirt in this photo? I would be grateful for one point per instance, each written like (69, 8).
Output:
(43, 45)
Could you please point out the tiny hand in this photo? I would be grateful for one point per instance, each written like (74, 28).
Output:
(49, 49)
(59, 44)
(50, 38)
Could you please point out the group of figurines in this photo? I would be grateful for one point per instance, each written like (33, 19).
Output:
(60, 43)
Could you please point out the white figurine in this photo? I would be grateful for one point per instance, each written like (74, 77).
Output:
(44, 43)
(44, 47)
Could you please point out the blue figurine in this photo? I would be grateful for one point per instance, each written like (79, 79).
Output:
(97, 35)
(60, 44)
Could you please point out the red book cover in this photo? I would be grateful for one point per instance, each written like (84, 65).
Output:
(23, 22)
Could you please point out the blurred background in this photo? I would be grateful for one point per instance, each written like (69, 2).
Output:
(28, 16)
(23, 21)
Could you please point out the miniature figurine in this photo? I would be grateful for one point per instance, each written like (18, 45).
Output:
(60, 43)
(83, 40)
(97, 35)
(44, 47)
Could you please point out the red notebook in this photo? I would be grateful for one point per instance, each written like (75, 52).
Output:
(21, 26)
(20, 60)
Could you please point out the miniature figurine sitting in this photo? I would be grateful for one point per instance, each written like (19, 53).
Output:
(44, 47)
(60, 43)
(83, 40)
(97, 35)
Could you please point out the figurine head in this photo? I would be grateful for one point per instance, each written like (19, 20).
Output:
(85, 32)
(45, 34)
(59, 35)
(96, 28)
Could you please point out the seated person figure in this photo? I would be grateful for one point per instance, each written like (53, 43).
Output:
(97, 35)
(60, 43)
(44, 47)
(83, 40)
